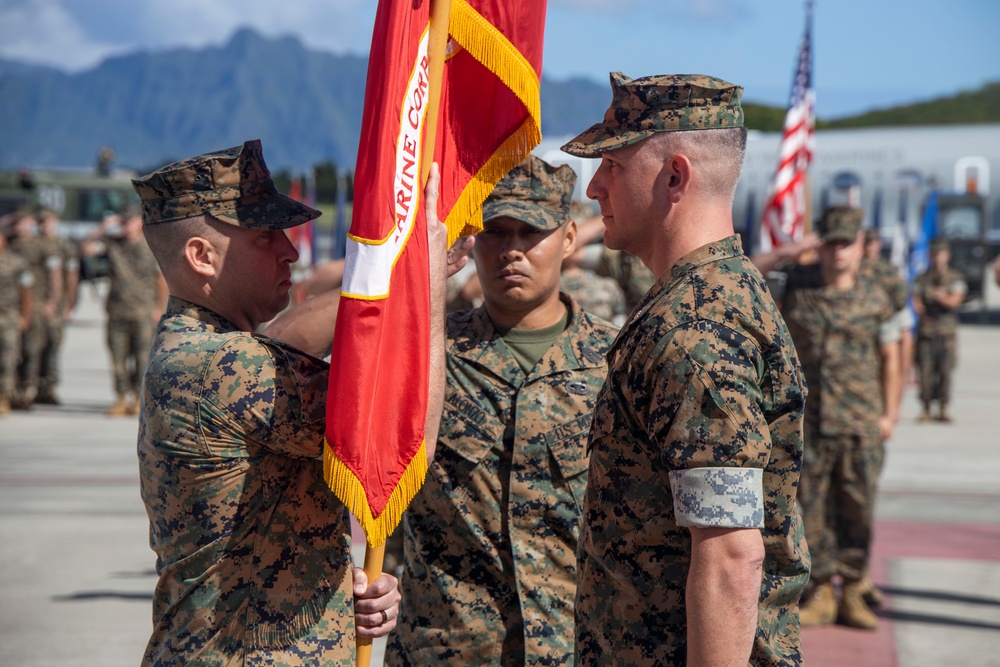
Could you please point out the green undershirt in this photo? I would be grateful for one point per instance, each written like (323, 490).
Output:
(530, 345)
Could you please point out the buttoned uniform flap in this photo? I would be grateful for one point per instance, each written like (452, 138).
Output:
(568, 444)
(467, 429)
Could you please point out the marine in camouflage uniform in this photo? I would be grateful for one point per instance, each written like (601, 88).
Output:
(45, 265)
(16, 280)
(937, 294)
(629, 272)
(490, 539)
(846, 336)
(594, 294)
(697, 430)
(55, 324)
(875, 268)
(253, 550)
(135, 294)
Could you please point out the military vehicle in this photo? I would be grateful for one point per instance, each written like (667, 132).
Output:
(81, 198)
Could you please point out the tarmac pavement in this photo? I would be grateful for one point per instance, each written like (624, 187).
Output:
(76, 572)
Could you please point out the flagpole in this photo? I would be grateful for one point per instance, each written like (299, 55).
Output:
(436, 50)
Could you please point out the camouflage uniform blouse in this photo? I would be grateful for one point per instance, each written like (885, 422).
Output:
(134, 277)
(41, 260)
(699, 424)
(15, 275)
(597, 295)
(838, 334)
(253, 551)
(938, 320)
(885, 275)
(491, 538)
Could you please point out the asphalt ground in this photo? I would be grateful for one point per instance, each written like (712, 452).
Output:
(76, 572)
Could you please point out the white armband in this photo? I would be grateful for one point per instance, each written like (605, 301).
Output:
(718, 497)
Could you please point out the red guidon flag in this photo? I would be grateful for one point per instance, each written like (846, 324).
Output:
(375, 459)
(490, 109)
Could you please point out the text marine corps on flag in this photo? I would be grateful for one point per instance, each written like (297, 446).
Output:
(380, 255)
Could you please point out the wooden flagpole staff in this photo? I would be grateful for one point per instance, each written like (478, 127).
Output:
(436, 50)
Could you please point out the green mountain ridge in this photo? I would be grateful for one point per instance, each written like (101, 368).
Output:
(304, 105)
(965, 108)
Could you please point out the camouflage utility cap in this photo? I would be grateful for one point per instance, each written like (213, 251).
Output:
(665, 103)
(232, 185)
(872, 234)
(939, 244)
(533, 192)
(839, 223)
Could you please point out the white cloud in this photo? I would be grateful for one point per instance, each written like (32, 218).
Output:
(77, 34)
(42, 31)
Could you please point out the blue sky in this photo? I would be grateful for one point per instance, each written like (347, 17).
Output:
(868, 53)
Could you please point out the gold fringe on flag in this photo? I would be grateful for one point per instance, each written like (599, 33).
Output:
(346, 486)
(495, 52)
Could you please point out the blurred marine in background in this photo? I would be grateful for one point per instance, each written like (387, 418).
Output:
(937, 295)
(846, 335)
(46, 264)
(16, 280)
(137, 296)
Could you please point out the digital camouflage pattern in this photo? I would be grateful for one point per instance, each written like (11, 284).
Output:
(940, 243)
(253, 550)
(42, 258)
(839, 223)
(885, 275)
(128, 345)
(233, 186)
(937, 319)
(937, 334)
(491, 537)
(839, 335)
(53, 326)
(936, 359)
(534, 192)
(664, 103)
(837, 493)
(595, 294)
(64, 255)
(41, 261)
(133, 277)
(701, 414)
(15, 275)
(629, 272)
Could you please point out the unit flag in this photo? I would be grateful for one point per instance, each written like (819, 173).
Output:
(375, 458)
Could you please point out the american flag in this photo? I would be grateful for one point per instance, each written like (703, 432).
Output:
(784, 214)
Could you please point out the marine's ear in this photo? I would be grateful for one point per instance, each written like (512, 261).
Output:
(569, 238)
(202, 256)
(678, 173)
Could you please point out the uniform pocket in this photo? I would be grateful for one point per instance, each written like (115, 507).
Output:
(468, 430)
(567, 443)
(470, 441)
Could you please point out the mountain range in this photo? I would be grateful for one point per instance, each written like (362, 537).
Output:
(153, 108)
